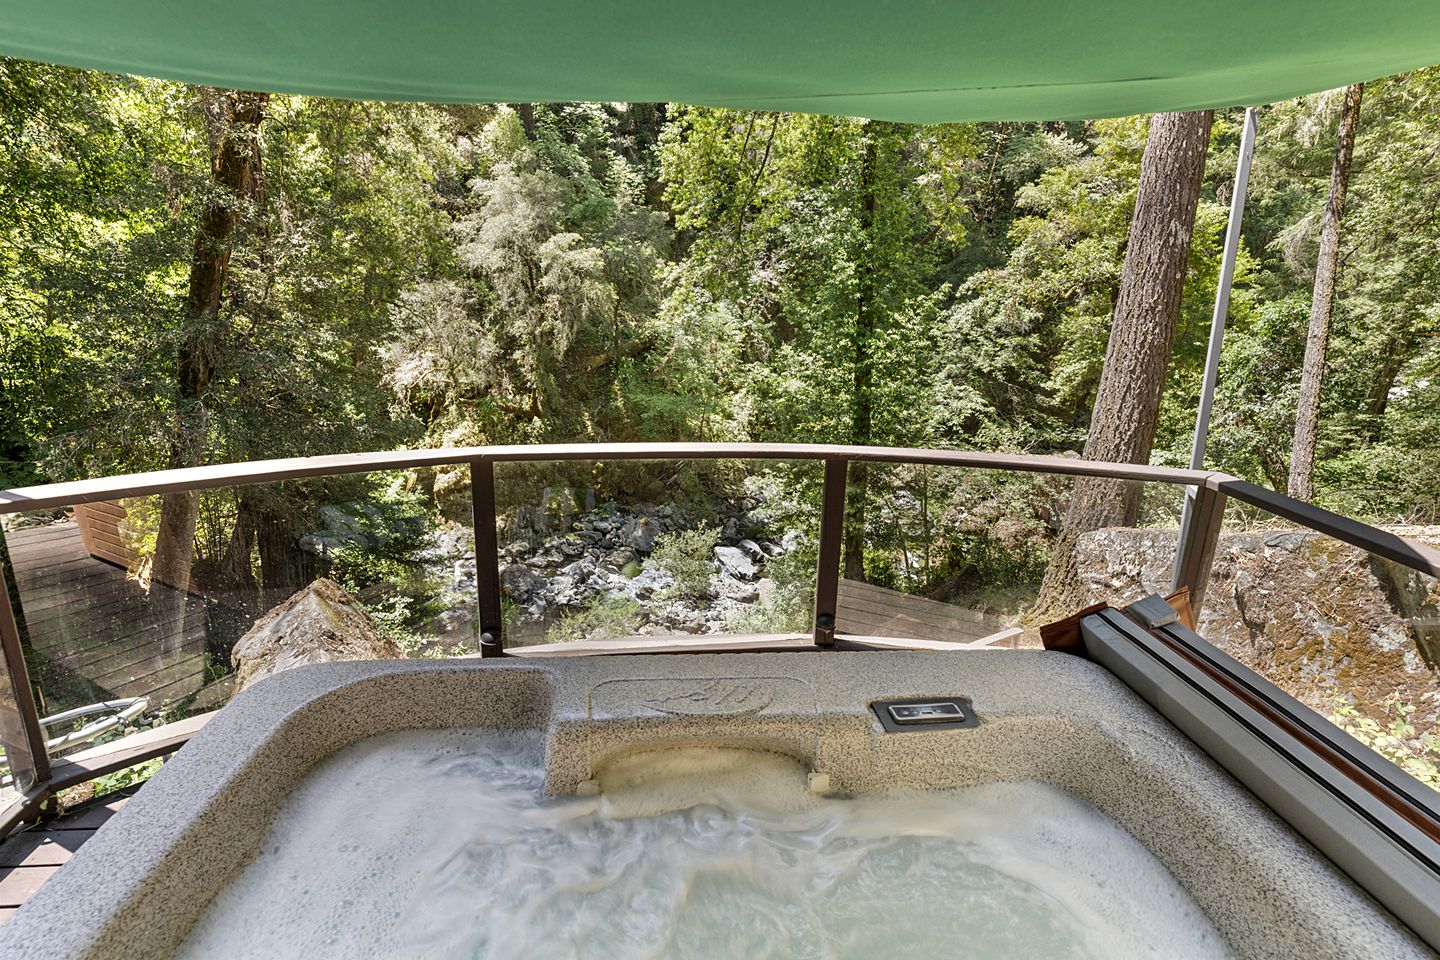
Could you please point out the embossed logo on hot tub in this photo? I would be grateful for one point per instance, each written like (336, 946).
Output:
(701, 697)
(719, 697)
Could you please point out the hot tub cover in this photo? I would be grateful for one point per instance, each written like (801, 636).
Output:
(911, 60)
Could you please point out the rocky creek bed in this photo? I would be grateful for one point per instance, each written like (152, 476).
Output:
(598, 574)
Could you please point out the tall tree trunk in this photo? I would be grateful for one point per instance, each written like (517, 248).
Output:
(1378, 398)
(861, 400)
(284, 567)
(1147, 310)
(1327, 264)
(232, 120)
(527, 118)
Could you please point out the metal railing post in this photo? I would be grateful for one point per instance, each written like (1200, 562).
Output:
(827, 566)
(13, 654)
(1195, 547)
(487, 558)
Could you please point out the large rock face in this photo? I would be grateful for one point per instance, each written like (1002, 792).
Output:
(1316, 616)
(321, 623)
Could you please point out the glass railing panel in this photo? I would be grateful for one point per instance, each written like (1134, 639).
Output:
(130, 625)
(979, 556)
(949, 554)
(606, 550)
(17, 766)
(1353, 635)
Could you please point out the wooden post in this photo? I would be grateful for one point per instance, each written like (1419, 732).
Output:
(1195, 548)
(24, 747)
(827, 567)
(487, 558)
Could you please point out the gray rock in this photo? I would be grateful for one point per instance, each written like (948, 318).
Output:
(734, 562)
(639, 534)
(622, 558)
(752, 550)
(732, 589)
(519, 582)
(319, 624)
(454, 624)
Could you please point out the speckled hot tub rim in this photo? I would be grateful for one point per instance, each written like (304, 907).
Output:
(134, 890)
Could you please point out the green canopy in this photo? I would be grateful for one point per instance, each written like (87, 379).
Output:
(913, 60)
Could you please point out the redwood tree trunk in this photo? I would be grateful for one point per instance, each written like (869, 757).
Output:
(1327, 264)
(861, 400)
(232, 121)
(1147, 310)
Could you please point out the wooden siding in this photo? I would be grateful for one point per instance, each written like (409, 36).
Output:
(89, 622)
(100, 525)
(867, 610)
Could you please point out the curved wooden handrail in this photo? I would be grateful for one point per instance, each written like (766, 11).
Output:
(298, 468)
(1195, 545)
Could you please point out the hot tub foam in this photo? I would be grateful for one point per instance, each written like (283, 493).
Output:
(387, 848)
(138, 887)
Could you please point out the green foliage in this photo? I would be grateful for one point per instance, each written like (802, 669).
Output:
(422, 274)
(607, 616)
(1395, 739)
(790, 606)
(128, 777)
(689, 557)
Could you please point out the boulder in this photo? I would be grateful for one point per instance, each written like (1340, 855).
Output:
(734, 562)
(752, 550)
(1321, 619)
(639, 534)
(319, 624)
(519, 581)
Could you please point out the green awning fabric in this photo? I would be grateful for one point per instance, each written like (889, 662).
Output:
(912, 60)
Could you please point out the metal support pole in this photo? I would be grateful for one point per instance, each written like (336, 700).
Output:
(487, 558)
(1217, 327)
(1196, 550)
(827, 567)
(33, 751)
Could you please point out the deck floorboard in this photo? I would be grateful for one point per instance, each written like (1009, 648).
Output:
(32, 857)
(89, 619)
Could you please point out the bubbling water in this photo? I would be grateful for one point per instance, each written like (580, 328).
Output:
(439, 845)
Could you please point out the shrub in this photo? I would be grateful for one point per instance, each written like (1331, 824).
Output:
(689, 557)
(608, 616)
(790, 607)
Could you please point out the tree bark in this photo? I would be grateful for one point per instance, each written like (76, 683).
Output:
(1142, 333)
(527, 118)
(1327, 265)
(861, 400)
(232, 120)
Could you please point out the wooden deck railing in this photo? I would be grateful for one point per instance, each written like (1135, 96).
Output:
(19, 721)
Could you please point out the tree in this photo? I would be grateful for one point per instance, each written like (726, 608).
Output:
(822, 238)
(233, 121)
(1147, 309)
(1327, 265)
(556, 272)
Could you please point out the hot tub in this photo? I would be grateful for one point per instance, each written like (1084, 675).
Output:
(155, 880)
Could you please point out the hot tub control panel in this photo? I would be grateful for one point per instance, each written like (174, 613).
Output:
(925, 713)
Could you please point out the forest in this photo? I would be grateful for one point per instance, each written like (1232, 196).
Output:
(191, 275)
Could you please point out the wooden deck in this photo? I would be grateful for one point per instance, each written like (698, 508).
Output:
(28, 859)
(867, 610)
(97, 633)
